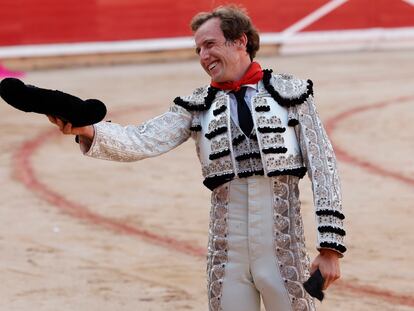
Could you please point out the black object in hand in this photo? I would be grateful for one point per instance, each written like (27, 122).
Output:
(66, 107)
(314, 285)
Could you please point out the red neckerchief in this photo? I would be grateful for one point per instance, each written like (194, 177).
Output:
(253, 75)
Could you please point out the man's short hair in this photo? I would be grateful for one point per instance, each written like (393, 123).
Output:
(234, 23)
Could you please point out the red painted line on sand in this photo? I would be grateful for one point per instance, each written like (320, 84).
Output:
(367, 290)
(25, 173)
(332, 123)
(23, 170)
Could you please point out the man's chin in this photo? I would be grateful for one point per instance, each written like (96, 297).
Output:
(217, 79)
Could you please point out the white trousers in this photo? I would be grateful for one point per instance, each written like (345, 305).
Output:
(256, 246)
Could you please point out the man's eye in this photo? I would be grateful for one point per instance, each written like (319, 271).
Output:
(197, 50)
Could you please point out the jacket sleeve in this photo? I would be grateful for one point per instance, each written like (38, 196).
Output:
(132, 143)
(321, 165)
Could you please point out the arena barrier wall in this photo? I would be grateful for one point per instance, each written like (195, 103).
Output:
(49, 28)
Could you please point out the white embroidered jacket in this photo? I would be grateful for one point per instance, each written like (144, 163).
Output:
(290, 141)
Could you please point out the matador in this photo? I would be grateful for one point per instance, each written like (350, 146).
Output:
(257, 133)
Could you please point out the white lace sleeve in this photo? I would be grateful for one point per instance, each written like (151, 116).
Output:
(131, 143)
(320, 160)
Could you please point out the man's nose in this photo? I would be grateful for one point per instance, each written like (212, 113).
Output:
(204, 54)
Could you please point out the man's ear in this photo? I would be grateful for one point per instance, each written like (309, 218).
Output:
(242, 41)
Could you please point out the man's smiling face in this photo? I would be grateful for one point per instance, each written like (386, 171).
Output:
(218, 57)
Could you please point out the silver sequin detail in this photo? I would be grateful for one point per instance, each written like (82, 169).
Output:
(198, 96)
(195, 122)
(131, 143)
(219, 144)
(289, 87)
(217, 246)
(282, 162)
(259, 102)
(217, 123)
(247, 146)
(272, 140)
(289, 243)
(320, 160)
(272, 122)
(217, 167)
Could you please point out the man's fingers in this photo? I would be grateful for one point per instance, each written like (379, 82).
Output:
(52, 119)
(330, 278)
(67, 129)
(326, 284)
(327, 280)
(60, 123)
(313, 268)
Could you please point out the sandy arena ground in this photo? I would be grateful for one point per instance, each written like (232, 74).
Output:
(84, 234)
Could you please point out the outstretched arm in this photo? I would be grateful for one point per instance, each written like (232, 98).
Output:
(111, 141)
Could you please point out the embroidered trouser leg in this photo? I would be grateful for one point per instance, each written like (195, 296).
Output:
(256, 247)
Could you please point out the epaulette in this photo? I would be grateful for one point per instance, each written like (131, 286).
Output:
(285, 89)
(200, 100)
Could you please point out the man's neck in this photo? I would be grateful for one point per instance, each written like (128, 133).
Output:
(243, 69)
(250, 75)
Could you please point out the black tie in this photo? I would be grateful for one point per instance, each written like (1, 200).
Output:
(243, 112)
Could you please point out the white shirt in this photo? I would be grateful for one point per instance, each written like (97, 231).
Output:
(251, 90)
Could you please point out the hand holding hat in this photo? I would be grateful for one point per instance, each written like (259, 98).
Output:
(64, 106)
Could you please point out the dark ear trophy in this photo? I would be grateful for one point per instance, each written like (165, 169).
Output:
(67, 107)
(314, 285)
